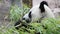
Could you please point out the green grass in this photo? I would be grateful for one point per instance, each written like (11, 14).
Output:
(51, 26)
(17, 12)
(47, 26)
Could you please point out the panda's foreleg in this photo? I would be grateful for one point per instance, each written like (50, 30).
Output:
(17, 24)
(20, 24)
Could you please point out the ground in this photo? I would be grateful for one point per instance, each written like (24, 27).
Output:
(4, 11)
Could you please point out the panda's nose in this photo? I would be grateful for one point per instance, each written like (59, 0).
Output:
(23, 18)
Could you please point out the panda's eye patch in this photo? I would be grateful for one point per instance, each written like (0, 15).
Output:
(29, 15)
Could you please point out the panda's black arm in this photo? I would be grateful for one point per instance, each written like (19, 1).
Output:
(17, 23)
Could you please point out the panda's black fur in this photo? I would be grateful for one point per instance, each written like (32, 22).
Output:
(30, 15)
(41, 7)
(19, 22)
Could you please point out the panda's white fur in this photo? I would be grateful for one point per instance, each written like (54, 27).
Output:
(49, 12)
(26, 15)
(36, 13)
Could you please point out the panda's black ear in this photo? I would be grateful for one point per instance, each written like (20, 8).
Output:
(41, 7)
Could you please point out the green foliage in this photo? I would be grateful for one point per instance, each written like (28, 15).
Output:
(47, 26)
(52, 25)
(17, 12)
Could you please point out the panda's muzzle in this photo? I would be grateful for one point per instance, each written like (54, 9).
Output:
(23, 18)
(27, 20)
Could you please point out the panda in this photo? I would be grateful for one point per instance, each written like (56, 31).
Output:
(38, 12)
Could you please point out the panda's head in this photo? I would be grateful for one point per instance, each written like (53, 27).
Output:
(37, 12)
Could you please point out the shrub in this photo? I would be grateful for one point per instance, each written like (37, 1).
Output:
(16, 12)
